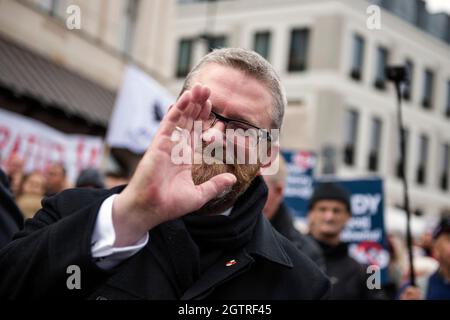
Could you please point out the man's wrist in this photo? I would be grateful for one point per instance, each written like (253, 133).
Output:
(128, 222)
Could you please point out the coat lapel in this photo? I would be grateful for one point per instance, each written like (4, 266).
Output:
(226, 268)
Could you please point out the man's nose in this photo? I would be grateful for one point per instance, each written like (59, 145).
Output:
(329, 215)
(219, 126)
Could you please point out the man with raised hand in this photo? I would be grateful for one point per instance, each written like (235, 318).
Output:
(178, 230)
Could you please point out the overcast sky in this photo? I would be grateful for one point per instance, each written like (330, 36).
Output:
(438, 5)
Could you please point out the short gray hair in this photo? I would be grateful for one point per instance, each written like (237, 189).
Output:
(252, 64)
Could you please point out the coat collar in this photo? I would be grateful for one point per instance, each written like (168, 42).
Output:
(265, 243)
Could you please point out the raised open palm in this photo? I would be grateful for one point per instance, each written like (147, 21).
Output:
(161, 190)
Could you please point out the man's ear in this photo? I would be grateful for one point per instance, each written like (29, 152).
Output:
(270, 165)
(435, 250)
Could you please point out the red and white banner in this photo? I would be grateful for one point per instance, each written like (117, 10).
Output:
(39, 145)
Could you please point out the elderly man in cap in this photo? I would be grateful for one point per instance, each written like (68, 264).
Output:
(329, 211)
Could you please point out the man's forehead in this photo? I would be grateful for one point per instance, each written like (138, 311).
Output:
(329, 203)
(237, 92)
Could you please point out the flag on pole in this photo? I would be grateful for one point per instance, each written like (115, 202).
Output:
(139, 108)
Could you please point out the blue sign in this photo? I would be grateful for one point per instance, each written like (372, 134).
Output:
(365, 231)
(299, 181)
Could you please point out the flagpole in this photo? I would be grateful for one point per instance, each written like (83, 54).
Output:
(105, 157)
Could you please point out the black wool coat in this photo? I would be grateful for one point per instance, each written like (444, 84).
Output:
(267, 266)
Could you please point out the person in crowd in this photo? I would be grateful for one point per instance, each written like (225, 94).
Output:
(280, 217)
(179, 229)
(114, 179)
(11, 220)
(437, 286)
(55, 176)
(90, 178)
(31, 193)
(329, 211)
(14, 171)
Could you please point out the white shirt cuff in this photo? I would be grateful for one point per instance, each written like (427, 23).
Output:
(105, 255)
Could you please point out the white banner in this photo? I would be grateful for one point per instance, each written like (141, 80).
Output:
(139, 108)
(39, 145)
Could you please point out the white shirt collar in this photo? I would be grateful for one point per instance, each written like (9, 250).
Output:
(226, 212)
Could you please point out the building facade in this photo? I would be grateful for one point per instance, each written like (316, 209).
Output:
(340, 104)
(67, 77)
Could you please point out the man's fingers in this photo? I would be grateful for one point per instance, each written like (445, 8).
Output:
(205, 94)
(216, 186)
(192, 105)
(175, 113)
(206, 110)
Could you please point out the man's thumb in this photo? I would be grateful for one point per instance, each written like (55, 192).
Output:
(216, 186)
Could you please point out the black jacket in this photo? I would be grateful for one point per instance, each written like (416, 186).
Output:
(267, 266)
(348, 277)
(11, 219)
(282, 222)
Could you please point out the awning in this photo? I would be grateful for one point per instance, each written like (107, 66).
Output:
(28, 74)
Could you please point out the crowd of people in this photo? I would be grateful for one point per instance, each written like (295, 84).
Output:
(329, 211)
(202, 226)
(28, 189)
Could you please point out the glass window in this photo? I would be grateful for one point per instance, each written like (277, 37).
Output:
(447, 107)
(298, 51)
(184, 57)
(350, 130)
(216, 42)
(382, 61)
(445, 166)
(427, 95)
(129, 26)
(357, 57)
(398, 172)
(375, 141)
(262, 43)
(422, 157)
(407, 92)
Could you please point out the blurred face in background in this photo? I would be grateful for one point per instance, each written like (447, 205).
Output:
(327, 219)
(34, 184)
(441, 250)
(56, 178)
(274, 198)
(14, 165)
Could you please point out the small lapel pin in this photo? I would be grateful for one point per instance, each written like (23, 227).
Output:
(231, 263)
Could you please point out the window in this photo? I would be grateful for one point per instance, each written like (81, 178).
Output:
(422, 156)
(184, 57)
(375, 141)
(445, 166)
(351, 130)
(55, 8)
(262, 43)
(215, 42)
(447, 107)
(398, 171)
(408, 88)
(357, 57)
(298, 51)
(427, 95)
(129, 26)
(380, 75)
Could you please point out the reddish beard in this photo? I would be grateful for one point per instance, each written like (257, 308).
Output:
(245, 173)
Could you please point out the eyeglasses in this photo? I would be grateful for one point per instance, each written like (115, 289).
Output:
(245, 134)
